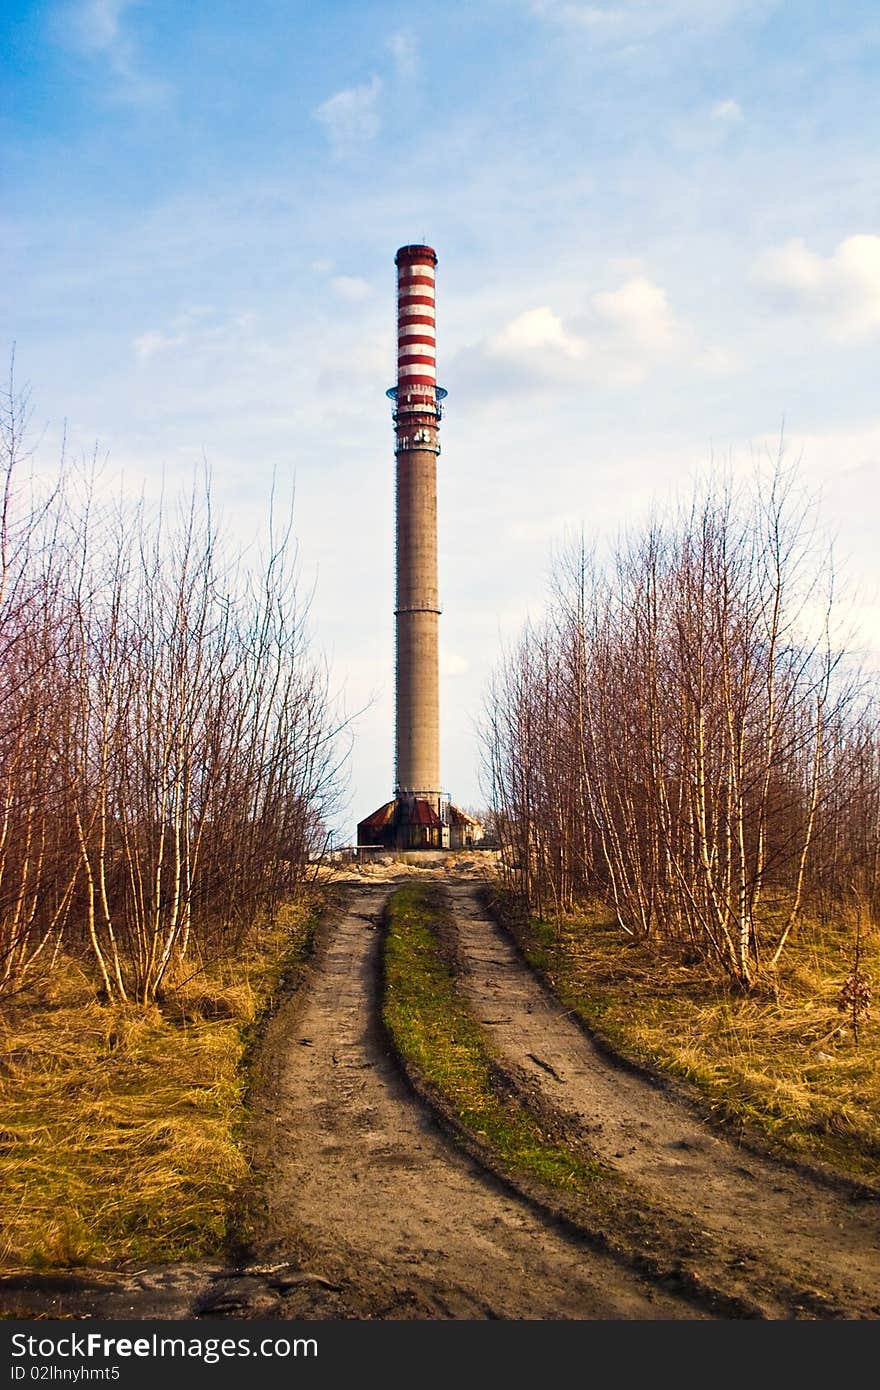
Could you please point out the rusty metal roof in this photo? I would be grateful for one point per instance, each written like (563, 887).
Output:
(379, 819)
(422, 813)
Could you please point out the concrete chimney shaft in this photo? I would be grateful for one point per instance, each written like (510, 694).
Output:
(421, 816)
(416, 419)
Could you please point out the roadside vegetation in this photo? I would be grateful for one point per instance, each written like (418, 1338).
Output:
(784, 1066)
(168, 761)
(120, 1125)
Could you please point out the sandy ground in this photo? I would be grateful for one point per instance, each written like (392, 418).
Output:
(366, 1210)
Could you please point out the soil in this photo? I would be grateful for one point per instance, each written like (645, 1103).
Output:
(367, 1208)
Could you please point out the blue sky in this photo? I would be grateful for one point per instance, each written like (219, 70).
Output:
(658, 229)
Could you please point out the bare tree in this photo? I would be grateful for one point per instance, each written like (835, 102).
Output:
(168, 746)
(673, 734)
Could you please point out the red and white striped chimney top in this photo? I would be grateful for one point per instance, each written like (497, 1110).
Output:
(416, 340)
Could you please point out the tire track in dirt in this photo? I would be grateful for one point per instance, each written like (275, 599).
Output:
(762, 1217)
(361, 1177)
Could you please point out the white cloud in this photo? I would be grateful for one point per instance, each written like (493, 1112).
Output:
(350, 288)
(151, 343)
(198, 328)
(350, 118)
(581, 14)
(638, 20)
(791, 268)
(639, 313)
(843, 288)
(405, 52)
(617, 339)
(99, 23)
(96, 28)
(728, 111)
(537, 330)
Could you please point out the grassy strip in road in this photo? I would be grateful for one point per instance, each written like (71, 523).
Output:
(433, 1033)
(120, 1125)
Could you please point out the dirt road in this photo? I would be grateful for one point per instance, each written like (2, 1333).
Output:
(386, 1206)
(773, 1232)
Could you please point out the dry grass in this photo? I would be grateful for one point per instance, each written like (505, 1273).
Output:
(782, 1059)
(119, 1125)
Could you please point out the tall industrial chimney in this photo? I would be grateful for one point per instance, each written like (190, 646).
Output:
(420, 816)
(416, 419)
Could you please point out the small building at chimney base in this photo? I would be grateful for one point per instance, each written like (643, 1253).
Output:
(414, 822)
